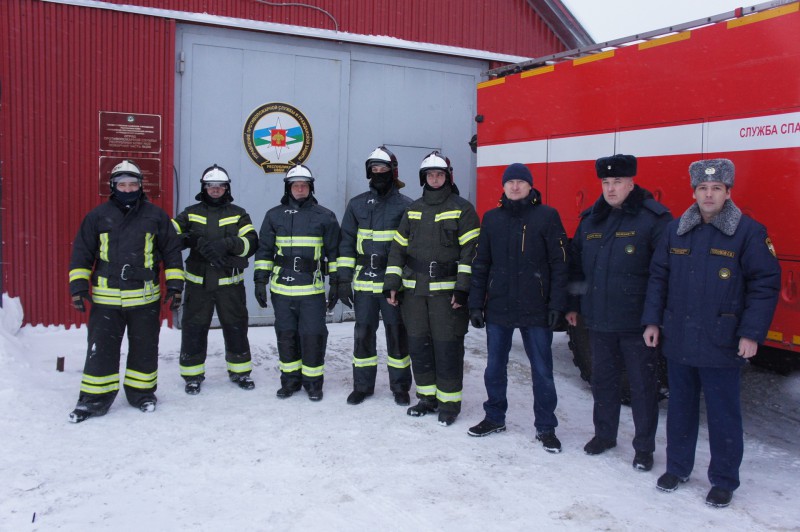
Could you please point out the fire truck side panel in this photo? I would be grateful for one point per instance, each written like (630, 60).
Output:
(730, 89)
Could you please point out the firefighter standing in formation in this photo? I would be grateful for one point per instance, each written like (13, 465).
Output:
(430, 261)
(610, 260)
(296, 239)
(119, 247)
(368, 228)
(714, 284)
(220, 237)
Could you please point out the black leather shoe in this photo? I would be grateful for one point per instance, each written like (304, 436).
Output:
(598, 446)
(77, 416)
(192, 387)
(315, 395)
(402, 398)
(286, 391)
(447, 418)
(356, 397)
(669, 482)
(422, 408)
(549, 441)
(718, 497)
(643, 461)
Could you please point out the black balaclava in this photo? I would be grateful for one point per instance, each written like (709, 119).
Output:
(381, 182)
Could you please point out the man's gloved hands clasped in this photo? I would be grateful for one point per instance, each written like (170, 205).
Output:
(174, 298)
(554, 318)
(476, 318)
(261, 294)
(346, 293)
(214, 251)
(79, 300)
(333, 295)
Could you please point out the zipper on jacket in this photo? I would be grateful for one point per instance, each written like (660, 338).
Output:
(523, 237)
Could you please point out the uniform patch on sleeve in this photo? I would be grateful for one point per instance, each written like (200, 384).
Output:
(770, 247)
(592, 236)
(679, 251)
(722, 253)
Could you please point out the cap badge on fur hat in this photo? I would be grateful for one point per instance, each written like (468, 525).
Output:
(718, 170)
(616, 166)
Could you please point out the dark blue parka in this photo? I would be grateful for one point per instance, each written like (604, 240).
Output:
(520, 268)
(711, 284)
(610, 260)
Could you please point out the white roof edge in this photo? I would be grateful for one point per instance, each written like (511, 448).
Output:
(301, 31)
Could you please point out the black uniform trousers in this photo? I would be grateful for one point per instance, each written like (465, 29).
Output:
(101, 379)
(198, 309)
(369, 308)
(611, 352)
(302, 339)
(436, 344)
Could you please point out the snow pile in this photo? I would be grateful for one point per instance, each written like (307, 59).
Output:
(11, 316)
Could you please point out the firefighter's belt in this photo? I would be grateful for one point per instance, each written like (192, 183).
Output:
(298, 264)
(433, 269)
(374, 261)
(126, 272)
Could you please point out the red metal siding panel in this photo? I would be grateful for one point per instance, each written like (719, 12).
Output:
(62, 66)
(501, 26)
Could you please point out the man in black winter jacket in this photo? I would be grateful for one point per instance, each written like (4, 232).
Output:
(220, 237)
(519, 281)
(609, 268)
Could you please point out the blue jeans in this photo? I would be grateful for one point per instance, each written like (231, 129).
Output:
(537, 342)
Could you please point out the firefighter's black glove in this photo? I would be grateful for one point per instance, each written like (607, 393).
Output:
(554, 318)
(214, 251)
(78, 302)
(261, 294)
(333, 296)
(174, 298)
(460, 297)
(346, 293)
(476, 318)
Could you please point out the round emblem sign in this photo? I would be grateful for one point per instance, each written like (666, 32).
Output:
(277, 136)
(724, 273)
(629, 249)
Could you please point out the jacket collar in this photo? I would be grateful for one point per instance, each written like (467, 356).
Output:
(726, 221)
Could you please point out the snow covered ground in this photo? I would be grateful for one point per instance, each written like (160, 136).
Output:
(228, 459)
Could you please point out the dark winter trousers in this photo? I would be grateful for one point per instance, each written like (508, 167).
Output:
(611, 353)
(721, 388)
(436, 344)
(537, 342)
(198, 309)
(100, 382)
(302, 339)
(369, 308)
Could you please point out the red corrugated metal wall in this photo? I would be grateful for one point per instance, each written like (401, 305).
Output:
(61, 66)
(502, 26)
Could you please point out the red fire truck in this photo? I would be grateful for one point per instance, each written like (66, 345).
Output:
(725, 86)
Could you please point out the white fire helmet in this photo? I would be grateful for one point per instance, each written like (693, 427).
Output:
(435, 161)
(215, 174)
(298, 173)
(381, 154)
(126, 168)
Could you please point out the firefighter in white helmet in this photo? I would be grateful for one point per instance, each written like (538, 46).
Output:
(368, 228)
(297, 244)
(220, 237)
(428, 275)
(117, 253)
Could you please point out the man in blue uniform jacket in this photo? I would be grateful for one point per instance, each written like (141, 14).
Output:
(609, 262)
(714, 282)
